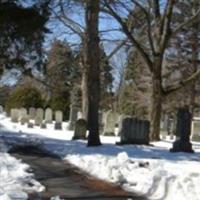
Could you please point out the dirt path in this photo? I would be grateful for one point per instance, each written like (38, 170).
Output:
(61, 178)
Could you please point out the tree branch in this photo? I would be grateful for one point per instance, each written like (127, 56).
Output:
(166, 24)
(182, 83)
(130, 36)
(189, 22)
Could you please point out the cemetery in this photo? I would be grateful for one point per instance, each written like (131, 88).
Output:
(99, 100)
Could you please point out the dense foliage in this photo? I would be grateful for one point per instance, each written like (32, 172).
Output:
(24, 97)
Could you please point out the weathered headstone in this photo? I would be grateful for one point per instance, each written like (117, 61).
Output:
(79, 115)
(134, 131)
(1, 109)
(23, 116)
(195, 130)
(183, 130)
(121, 117)
(14, 113)
(30, 125)
(110, 121)
(32, 113)
(80, 129)
(39, 116)
(164, 126)
(43, 125)
(73, 116)
(58, 120)
(48, 116)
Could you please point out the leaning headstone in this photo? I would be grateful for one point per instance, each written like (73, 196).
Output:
(195, 132)
(183, 130)
(80, 129)
(48, 116)
(32, 113)
(110, 121)
(73, 116)
(58, 120)
(39, 116)
(14, 113)
(1, 109)
(134, 131)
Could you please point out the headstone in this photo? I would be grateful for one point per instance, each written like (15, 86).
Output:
(1, 109)
(134, 131)
(110, 121)
(43, 125)
(79, 115)
(164, 126)
(48, 116)
(121, 117)
(30, 125)
(32, 113)
(58, 120)
(14, 113)
(183, 130)
(39, 116)
(73, 116)
(80, 129)
(23, 116)
(195, 130)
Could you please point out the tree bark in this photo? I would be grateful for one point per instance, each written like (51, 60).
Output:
(156, 100)
(93, 70)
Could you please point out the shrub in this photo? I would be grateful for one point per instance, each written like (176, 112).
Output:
(24, 97)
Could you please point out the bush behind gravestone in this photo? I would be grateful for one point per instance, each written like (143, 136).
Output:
(24, 97)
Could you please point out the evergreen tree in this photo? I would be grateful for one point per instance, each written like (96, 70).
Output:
(22, 32)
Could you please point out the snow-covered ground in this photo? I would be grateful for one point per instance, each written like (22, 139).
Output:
(150, 170)
(15, 181)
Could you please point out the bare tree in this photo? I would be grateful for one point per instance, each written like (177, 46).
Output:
(160, 27)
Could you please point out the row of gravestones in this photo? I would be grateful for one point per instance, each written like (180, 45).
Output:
(135, 131)
(131, 130)
(39, 116)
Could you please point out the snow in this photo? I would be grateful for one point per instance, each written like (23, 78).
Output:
(150, 170)
(15, 181)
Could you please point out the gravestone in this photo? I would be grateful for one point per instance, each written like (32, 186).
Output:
(79, 115)
(1, 109)
(14, 113)
(23, 116)
(121, 117)
(48, 116)
(163, 126)
(80, 129)
(58, 120)
(73, 116)
(183, 130)
(134, 131)
(30, 125)
(195, 130)
(111, 119)
(32, 113)
(43, 125)
(39, 116)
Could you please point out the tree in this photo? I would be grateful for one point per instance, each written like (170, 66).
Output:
(160, 27)
(20, 42)
(93, 69)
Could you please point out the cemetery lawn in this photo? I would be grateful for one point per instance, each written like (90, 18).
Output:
(151, 170)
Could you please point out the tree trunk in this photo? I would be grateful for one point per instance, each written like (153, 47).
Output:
(84, 93)
(156, 99)
(93, 70)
